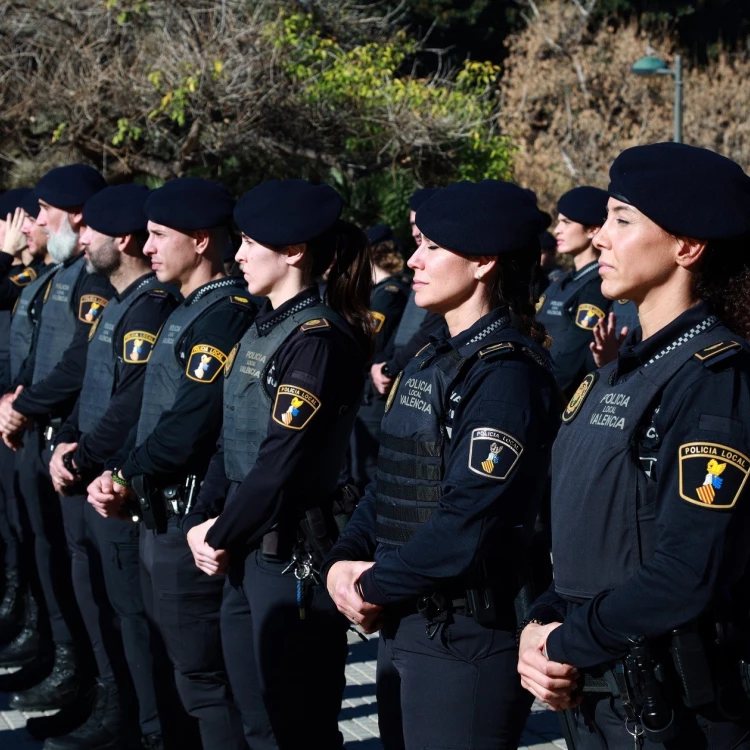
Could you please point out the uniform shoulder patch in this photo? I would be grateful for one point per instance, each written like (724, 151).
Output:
(493, 453)
(378, 319)
(587, 316)
(158, 293)
(716, 353)
(205, 363)
(575, 403)
(23, 278)
(316, 324)
(712, 475)
(239, 301)
(294, 407)
(504, 348)
(93, 329)
(230, 359)
(137, 347)
(540, 302)
(91, 307)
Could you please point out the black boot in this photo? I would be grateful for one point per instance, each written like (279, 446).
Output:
(65, 720)
(25, 647)
(153, 741)
(61, 688)
(104, 728)
(11, 607)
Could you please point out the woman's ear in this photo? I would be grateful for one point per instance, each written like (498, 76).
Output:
(484, 264)
(689, 251)
(295, 254)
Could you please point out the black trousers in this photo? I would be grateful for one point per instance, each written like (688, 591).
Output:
(11, 530)
(41, 506)
(599, 724)
(287, 673)
(185, 604)
(458, 689)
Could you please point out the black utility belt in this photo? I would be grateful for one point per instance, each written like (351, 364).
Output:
(50, 430)
(155, 505)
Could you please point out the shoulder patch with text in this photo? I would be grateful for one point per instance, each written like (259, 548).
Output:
(137, 346)
(294, 407)
(377, 320)
(587, 316)
(315, 325)
(493, 453)
(91, 307)
(23, 278)
(712, 475)
(205, 363)
(579, 397)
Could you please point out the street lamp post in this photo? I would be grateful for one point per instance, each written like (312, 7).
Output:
(654, 66)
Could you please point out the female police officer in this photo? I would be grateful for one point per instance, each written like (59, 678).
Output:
(649, 498)
(463, 461)
(292, 388)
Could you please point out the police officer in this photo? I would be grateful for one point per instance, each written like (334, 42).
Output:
(47, 386)
(177, 429)
(106, 410)
(291, 395)
(433, 555)
(18, 610)
(389, 295)
(572, 305)
(649, 491)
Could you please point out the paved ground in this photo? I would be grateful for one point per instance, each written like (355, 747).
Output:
(358, 715)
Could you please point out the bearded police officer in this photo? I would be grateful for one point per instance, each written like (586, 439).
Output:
(179, 423)
(573, 304)
(47, 388)
(648, 612)
(106, 410)
(433, 555)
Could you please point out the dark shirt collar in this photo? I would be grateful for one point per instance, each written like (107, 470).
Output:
(494, 320)
(201, 291)
(587, 270)
(71, 261)
(268, 318)
(635, 353)
(119, 296)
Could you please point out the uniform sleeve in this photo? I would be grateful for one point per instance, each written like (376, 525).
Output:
(571, 356)
(61, 386)
(326, 378)
(10, 285)
(387, 307)
(702, 516)
(197, 409)
(136, 336)
(487, 480)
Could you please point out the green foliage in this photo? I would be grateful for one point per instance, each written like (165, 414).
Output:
(125, 130)
(125, 9)
(175, 102)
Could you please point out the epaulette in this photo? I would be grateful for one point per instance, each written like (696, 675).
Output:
(315, 325)
(241, 302)
(391, 288)
(158, 293)
(716, 353)
(503, 348)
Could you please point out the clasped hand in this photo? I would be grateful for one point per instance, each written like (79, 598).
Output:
(211, 561)
(343, 586)
(109, 498)
(11, 421)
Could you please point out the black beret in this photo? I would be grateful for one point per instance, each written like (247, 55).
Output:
(189, 203)
(686, 190)
(585, 205)
(379, 233)
(287, 212)
(116, 211)
(12, 200)
(547, 241)
(30, 204)
(420, 196)
(69, 187)
(491, 217)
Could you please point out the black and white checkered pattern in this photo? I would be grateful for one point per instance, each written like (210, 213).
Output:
(274, 320)
(499, 323)
(704, 325)
(228, 281)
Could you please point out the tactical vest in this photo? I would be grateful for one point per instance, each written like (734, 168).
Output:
(57, 324)
(5, 347)
(247, 405)
(103, 356)
(411, 461)
(559, 306)
(603, 507)
(626, 314)
(22, 326)
(410, 322)
(164, 370)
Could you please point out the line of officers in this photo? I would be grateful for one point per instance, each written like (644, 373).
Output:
(187, 431)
